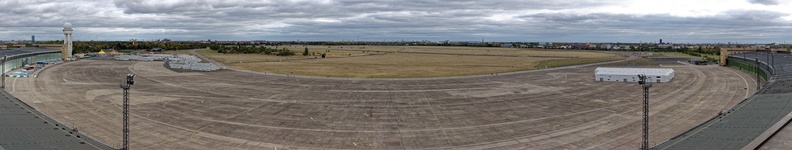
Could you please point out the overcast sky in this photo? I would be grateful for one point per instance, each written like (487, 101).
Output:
(680, 21)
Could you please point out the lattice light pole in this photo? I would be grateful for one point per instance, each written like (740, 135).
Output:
(4, 74)
(130, 80)
(645, 85)
(772, 59)
(756, 70)
(769, 55)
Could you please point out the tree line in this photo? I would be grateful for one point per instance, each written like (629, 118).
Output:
(249, 49)
(96, 46)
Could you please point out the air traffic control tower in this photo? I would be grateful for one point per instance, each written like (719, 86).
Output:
(67, 41)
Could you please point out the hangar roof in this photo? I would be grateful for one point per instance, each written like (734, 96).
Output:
(24, 50)
(634, 71)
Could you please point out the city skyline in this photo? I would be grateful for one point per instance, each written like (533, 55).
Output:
(677, 21)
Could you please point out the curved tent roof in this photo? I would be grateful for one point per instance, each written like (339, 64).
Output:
(635, 71)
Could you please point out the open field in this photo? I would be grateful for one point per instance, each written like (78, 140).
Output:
(543, 109)
(407, 61)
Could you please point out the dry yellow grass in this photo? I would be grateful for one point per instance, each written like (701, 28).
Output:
(388, 63)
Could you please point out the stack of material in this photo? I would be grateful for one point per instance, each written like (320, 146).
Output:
(180, 61)
(127, 57)
(194, 66)
(190, 62)
(18, 74)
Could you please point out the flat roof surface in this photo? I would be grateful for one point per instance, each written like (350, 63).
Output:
(739, 125)
(17, 51)
(22, 127)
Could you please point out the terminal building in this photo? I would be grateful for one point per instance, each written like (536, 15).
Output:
(631, 74)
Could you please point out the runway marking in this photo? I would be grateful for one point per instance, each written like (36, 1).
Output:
(166, 103)
(165, 141)
(240, 145)
(529, 144)
(746, 83)
(411, 130)
(438, 119)
(32, 89)
(13, 85)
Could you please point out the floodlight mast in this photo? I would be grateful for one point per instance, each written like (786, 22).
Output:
(130, 80)
(772, 59)
(645, 84)
(3, 72)
(756, 70)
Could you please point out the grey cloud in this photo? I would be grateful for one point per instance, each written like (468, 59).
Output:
(765, 2)
(465, 20)
(754, 15)
(731, 25)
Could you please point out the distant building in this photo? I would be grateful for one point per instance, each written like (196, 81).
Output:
(33, 39)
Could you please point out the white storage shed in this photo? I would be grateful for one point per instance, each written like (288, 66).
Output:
(631, 74)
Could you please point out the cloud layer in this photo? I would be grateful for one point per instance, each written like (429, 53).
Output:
(683, 21)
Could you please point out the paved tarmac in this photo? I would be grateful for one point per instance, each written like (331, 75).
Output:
(545, 109)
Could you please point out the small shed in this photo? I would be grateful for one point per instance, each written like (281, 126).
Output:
(631, 74)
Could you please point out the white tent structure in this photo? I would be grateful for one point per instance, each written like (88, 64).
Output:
(631, 74)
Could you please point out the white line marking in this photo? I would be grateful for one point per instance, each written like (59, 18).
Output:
(13, 85)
